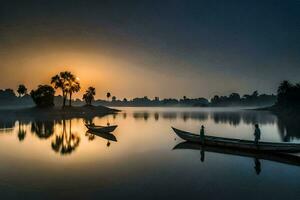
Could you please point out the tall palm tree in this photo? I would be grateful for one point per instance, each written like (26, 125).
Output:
(73, 86)
(89, 95)
(58, 82)
(22, 90)
(66, 81)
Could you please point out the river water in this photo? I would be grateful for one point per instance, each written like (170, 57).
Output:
(60, 160)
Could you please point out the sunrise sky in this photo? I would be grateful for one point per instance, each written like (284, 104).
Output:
(152, 48)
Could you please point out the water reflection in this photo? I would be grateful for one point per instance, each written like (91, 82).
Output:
(65, 137)
(276, 157)
(232, 118)
(6, 126)
(257, 166)
(65, 142)
(90, 136)
(21, 131)
(43, 129)
(107, 136)
(288, 126)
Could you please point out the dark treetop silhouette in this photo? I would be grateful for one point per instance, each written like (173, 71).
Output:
(88, 97)
(288, 97)
(43, 96)
(68, 84)
(22, 90)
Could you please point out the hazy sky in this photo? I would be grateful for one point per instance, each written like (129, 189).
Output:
(155, 48)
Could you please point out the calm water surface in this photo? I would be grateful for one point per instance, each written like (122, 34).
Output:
(59, 159)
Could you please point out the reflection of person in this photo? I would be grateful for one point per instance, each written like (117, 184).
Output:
(202, 136)
(202, 154)
(257, 166)
(257, 134)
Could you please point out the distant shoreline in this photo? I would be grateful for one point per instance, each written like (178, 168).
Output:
(56, 112)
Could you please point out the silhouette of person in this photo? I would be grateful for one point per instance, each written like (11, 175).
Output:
(108, 143)
(257, 166)
(257, 134)
(202, 135)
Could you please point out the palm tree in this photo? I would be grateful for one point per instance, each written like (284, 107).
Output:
(88, 97)
(72, 87)
(22, 90)
(57, 82)
(108, 96)
(66, 81)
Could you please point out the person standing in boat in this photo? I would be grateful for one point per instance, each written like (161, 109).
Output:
(257, 134)
(202, 135)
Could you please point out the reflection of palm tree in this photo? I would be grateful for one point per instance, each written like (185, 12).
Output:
(66, 142)
(90, 136)
(43, 129)
(156, 116)
(21, 132)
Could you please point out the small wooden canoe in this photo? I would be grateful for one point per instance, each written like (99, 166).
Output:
(271, 156)
(103, 129)
(239, 144)
(107, 136)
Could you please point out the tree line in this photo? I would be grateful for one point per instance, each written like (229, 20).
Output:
(235, 99)
(68, 84)
(288, 95)
(44, 95)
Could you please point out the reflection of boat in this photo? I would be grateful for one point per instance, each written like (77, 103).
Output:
(105, 135)
(103, 129)
(238, 144)
(272, 156)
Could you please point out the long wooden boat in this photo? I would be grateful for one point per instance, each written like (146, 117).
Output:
(103, 129)
(238, 144)
(107, 136)
(271, 156)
